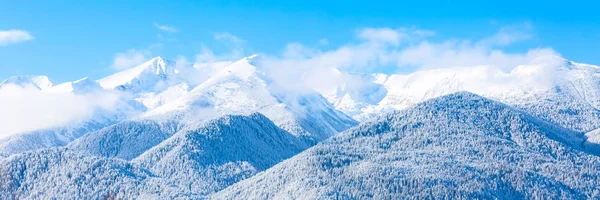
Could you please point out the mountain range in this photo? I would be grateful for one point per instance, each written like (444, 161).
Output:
(227, 130)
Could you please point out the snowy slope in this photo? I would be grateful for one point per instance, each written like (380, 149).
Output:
(220, 153)
(190, 164)
(125, 140)
(593, 140)
(151, 83)
(456, 146)
(142, 77)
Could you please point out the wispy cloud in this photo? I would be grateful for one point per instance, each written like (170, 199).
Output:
(383, 35)
(323, 41)
(29, 109)
(234, 44)
(8, 37)
(510, 34)
(161, 37)
(466, 52)
(410, 47)
(130, 58)
(165, 28)
(228, 37)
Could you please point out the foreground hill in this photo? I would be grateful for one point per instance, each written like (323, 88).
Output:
(456, 146)
(190, 164)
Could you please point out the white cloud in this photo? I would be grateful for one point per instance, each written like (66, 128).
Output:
(161, 37)
(464, 53)
(427, 55)
(228, 37)
(233, 43)
(8, 37)
(392, 36)
(299, 65)
(165, 28)
(323, 42)
(410, 47)
(383, 35)
(28, 109)
(207, 55)
(130, 58)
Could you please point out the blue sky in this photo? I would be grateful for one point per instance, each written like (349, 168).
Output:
(68, 40)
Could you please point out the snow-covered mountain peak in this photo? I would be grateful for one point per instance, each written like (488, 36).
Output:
(159, 65)
(39, 82)
(144, 75)
(242, 68)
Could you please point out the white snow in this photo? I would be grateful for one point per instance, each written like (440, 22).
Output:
(141, 77)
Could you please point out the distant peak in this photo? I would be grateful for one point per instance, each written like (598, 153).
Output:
(27, 78)
(157, 62)
(40, 82)
(150, 72)
(158, 58)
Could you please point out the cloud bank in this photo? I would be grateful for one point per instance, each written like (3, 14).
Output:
(398, 50)
(28, 109)
(304, 68)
